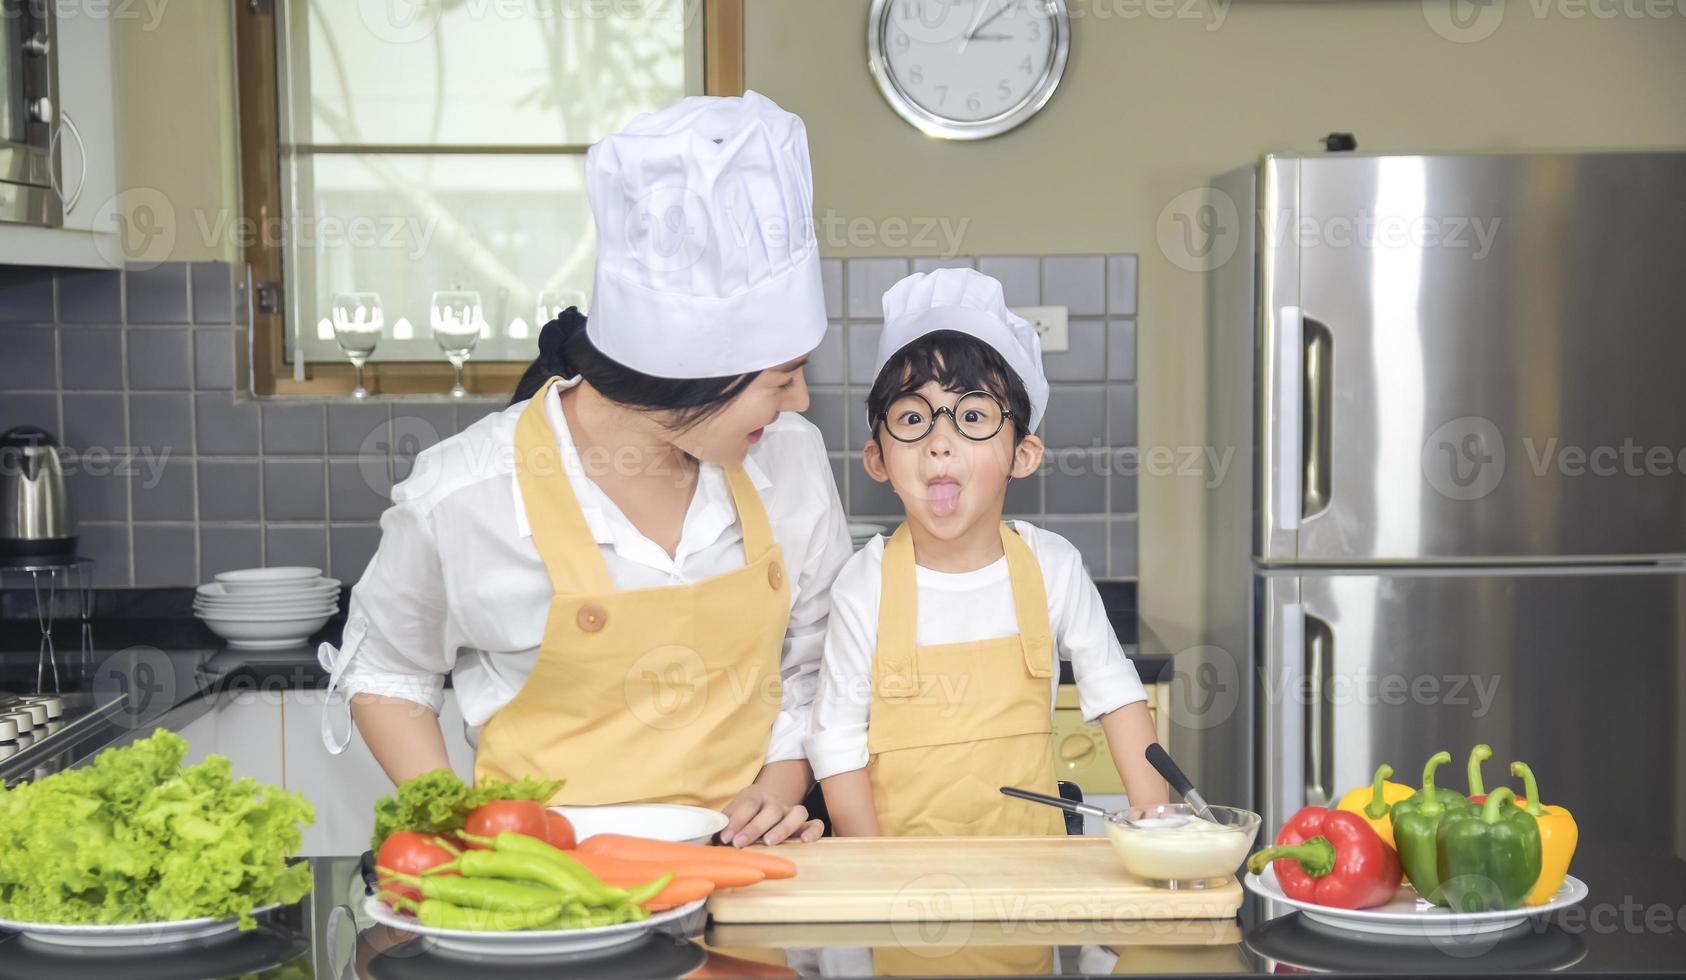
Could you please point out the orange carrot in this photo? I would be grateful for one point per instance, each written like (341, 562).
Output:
(724, 874)
(679, 891)
(660, 851)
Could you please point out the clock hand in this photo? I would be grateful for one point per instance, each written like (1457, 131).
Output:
(983, 24)
(992, 18)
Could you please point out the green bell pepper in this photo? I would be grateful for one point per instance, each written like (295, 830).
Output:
(1488, 859)
(1416, 821)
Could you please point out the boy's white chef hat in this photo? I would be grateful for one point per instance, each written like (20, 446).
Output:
(972, 303)
(707, 265)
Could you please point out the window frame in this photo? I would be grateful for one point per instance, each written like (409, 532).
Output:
(258, 117)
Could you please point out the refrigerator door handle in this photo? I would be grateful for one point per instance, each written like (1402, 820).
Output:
(1290, 389)
(1319, 719)
(1318, 368)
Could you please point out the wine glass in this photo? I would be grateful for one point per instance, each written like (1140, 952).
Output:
(552, 302)
(457, 321)
(358, 322)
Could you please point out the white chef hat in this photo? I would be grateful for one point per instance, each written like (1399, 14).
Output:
(707, 265)
(972, 303)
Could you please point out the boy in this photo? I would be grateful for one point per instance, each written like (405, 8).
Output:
(941, 657)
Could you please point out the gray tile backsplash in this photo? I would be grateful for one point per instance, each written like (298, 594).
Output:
(1086, 488)
(174, 479)
(158, 294)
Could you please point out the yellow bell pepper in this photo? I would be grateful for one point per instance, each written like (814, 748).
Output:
(1375, 801)
(1558, 836)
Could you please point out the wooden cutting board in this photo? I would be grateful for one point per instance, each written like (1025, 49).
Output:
(955, 879)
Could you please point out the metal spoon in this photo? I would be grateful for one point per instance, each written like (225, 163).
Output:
(1173, 773)
(1089, 809)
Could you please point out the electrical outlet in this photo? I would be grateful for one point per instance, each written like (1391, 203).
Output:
(1049, 322)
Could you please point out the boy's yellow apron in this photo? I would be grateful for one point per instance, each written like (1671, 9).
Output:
(951, 724)
(666, 694)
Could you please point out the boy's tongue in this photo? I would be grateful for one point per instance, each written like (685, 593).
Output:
(944, 496)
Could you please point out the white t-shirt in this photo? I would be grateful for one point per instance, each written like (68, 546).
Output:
(958, 608)
(457, 586)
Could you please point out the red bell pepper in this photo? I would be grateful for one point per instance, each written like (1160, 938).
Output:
(1332, 857)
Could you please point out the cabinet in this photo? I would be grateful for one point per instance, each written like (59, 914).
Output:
(344, 787)
(86, 137)
(245, 727)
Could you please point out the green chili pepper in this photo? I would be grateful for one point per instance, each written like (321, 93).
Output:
(478, 893)
(1488, 859)
(526, 867)
(1415, 823)
(444, 915)
(643, 893)
(589, 886)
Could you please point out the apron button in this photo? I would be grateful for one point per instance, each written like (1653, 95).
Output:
(592, 617)
(775, 575)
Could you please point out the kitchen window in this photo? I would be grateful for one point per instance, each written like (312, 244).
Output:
(413, 172)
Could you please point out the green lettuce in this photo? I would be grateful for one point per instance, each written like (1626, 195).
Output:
(136, 837)
(438, 802)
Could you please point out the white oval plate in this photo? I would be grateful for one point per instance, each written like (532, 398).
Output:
(657, 821)
(1408, 915)
(533, 942)
(129, 933)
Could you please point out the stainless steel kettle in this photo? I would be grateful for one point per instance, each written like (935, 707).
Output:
(35, 518)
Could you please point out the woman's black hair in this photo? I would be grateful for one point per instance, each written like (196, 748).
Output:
(566, 350)
(958, 362)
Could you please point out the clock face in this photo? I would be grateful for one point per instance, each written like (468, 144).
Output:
(966, 69)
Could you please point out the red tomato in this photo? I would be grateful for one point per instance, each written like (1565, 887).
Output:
(561, 832)
(506, 817)
(410, 852)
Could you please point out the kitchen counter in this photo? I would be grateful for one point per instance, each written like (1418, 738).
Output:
(144, 662)
(1634, 923)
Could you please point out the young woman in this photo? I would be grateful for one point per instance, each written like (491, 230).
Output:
(626, 573)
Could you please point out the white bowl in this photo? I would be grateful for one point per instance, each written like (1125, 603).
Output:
(260, 634)
(657, 821)
(319, 587)
(288, 612)
(248, 579)
(279, 614)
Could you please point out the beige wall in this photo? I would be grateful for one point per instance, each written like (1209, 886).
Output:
(176, 133)
(1152, 107)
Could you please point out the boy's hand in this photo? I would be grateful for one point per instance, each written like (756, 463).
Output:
(758, 816)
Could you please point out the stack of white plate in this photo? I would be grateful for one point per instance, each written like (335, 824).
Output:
(267, 608)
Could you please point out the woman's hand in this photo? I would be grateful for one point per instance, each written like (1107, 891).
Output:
(758, 815)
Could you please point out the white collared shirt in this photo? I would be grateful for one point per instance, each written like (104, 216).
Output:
(959, 607)
(457, 586)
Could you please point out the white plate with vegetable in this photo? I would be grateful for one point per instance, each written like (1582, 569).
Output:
(127, 933)
(1410, 916)
(531, 942)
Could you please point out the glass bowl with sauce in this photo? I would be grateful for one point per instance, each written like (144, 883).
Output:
(1172, 846)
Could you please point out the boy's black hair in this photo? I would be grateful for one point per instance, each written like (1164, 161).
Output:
(958, 362)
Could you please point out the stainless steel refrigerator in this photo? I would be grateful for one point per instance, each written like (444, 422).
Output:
(1455, 392)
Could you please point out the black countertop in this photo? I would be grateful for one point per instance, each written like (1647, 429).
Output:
(1633, 924)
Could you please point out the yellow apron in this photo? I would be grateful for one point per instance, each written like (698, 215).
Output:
(951, 724)
(646, 695)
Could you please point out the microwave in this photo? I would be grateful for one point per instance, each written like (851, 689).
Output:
(29, 88)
